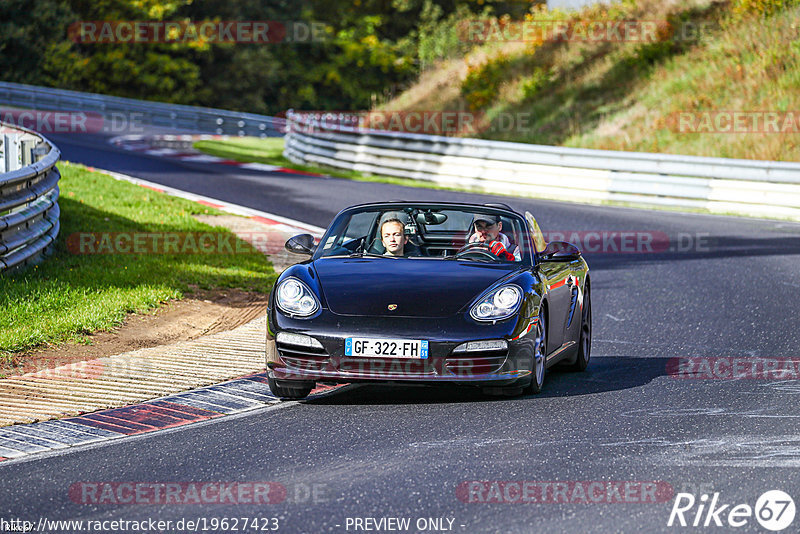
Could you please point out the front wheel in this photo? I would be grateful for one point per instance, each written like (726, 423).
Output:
(288, 390)
(539, 356)
(585, 342)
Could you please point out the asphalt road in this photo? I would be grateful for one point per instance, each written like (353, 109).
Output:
(721, 290)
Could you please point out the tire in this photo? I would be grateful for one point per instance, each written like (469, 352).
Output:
(289, 392)
(539, 367)
(539, 356)
(585, 341)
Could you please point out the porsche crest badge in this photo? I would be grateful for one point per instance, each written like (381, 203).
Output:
(392, 307)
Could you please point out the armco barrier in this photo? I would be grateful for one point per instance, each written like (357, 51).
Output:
(758, 188)
(28, 197)
(189, 118)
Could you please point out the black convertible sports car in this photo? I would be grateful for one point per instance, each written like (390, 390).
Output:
(419, 292)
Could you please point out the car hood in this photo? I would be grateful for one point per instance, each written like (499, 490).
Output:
(368, 286)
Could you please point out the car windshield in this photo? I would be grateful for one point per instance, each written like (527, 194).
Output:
(425, 232)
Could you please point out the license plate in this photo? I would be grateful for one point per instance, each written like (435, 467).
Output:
(386, 348)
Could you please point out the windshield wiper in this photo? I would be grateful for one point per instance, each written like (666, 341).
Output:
(368, 254)
(480, 260)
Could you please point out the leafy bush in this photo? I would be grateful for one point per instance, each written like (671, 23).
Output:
(439, 38)
(482, 83)
(762, 7)
(534, 83)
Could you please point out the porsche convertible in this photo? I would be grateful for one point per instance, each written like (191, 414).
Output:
(429, 293)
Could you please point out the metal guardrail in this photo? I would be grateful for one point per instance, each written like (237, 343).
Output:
(720, 185)
(28, 197)
(194, 119)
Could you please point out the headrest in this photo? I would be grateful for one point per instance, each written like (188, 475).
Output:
(401, 216)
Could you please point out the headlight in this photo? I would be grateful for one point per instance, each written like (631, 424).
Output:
(499, 304)
(295, 298)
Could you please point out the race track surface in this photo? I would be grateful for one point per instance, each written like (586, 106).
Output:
(721, 290)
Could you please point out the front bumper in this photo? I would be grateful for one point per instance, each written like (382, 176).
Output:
(491, 368)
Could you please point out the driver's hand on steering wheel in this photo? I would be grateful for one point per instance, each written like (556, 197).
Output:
(499, 250)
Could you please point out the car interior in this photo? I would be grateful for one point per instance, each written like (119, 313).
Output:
(431, 233)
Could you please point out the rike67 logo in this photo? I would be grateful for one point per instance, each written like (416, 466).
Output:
(774, 510)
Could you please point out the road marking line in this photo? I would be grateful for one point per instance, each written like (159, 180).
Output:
(228, 207)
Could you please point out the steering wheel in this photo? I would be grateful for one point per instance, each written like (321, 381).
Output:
(479, 250)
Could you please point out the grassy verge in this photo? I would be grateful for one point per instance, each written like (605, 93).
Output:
(73, 294)
(711, 56)
(270, 151)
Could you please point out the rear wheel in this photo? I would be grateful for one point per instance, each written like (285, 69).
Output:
(539, 356)
(585, 342)
(291, 390)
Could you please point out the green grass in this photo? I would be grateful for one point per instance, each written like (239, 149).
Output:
(269, 150)
(71, 295)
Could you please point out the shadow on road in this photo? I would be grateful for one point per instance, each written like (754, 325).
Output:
(604, 374)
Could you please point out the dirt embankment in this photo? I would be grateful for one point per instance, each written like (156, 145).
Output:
(201, 313)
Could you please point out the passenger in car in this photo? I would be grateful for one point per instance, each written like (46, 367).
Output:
(488, 230)
(393, 237)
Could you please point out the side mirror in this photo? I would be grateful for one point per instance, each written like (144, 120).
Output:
(301, 244)
(560, 251)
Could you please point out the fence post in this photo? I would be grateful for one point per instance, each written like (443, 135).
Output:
(11, 152)
(26, 148)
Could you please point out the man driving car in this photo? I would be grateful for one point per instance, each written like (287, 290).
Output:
(488, 230)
